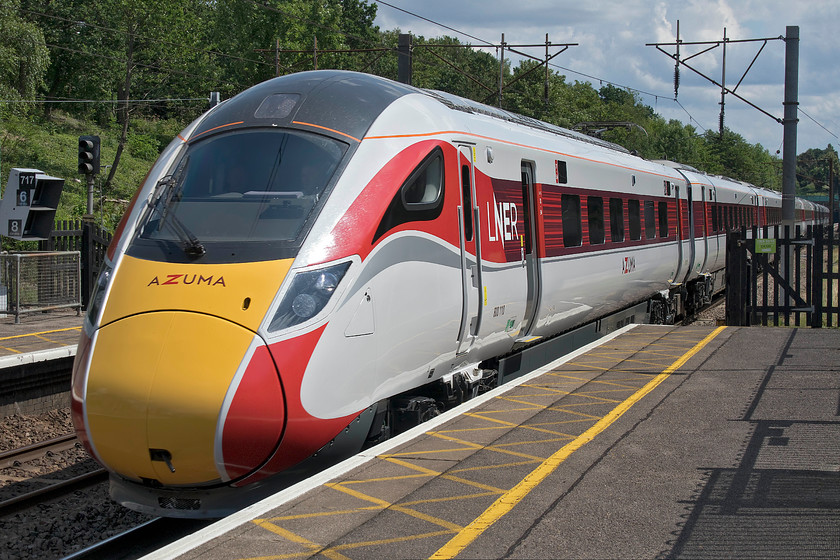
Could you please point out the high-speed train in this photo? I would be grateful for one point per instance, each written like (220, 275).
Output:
(328, 254)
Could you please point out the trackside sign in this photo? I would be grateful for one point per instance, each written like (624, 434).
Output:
(765, 246)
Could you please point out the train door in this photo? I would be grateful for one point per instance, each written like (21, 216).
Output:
(704, 229)
(468, 224)
(530, 256)
(678, 275)
(689, 235)
(685, 233)
(715, 246)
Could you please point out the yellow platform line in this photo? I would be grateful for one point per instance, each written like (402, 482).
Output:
(509, 499)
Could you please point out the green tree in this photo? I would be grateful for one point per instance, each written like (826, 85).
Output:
(814, 169)
(24, 57)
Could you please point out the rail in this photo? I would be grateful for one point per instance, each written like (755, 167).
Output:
(36, 450)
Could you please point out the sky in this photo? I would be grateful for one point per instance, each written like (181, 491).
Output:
(612, 36)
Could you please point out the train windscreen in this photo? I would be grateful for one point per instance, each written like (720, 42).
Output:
(245, 187)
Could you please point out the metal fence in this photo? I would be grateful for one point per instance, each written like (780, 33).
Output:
(31, 282)
(83, 236)
(781, 277)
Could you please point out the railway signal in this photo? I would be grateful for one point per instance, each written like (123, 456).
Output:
(89, 155)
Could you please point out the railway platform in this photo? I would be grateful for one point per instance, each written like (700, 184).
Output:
(36, 357)
(39, 331)
(653, 442)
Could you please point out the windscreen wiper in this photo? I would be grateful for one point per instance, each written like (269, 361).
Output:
(192, 246)
(170, 185)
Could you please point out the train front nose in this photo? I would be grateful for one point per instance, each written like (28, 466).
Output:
(182, 398)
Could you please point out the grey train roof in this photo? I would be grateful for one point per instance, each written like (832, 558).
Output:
(348, 102)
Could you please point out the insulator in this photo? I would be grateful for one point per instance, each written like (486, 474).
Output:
(676, 79)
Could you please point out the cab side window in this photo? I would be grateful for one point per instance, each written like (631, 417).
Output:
(420, 198)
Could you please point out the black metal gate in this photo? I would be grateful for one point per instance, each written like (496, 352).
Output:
(778, 279)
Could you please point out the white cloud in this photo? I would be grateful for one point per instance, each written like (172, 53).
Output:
(612, 37)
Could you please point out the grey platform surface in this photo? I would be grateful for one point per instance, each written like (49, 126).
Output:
(39, 331)
(733, 454)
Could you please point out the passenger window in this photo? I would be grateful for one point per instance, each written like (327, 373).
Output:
(595, 211)
(562, 174)
(616, 220)
(635, 218)
(714, 218)
(650, 220)
(570, 207)
(663, 219)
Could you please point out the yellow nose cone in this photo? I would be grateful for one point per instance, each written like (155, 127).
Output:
(155, 389)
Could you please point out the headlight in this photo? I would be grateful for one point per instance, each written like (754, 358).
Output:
(97, 297)
(307, 296)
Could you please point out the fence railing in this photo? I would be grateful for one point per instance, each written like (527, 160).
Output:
(87, 238)
(31, 282)
(780, 277)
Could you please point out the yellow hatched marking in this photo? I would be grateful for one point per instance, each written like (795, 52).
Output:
(507, 501)
(591, 395)
(312, 548)
(533, 442)
(600, 400)
(583, 415)
(391, 541)
(571, 374)
(505, 451)
(474, 484)
(11, 350)
(431, 451)
(40, 333)
(540, 392)
(499, 411)
(430, 472)
(614, 384)
(534, 427)
(500, 466)
(591, 367)
(535, 406)
(387, 478)
(450, 498)
(468, 430)
(423, 470)
(394, 507)
(298, 516)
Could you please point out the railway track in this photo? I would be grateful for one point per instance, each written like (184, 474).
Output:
(141, 540)
(36, 450)
(53, 490)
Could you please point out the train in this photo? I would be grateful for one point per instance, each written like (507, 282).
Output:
(329, 257)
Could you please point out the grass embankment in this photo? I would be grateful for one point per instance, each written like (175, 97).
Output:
(51, 145)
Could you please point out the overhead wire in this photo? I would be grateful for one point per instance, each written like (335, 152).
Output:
(591, 77)
(815, 122)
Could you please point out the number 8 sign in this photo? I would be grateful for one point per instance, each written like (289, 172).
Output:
(15, 227)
